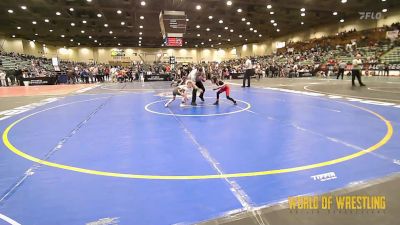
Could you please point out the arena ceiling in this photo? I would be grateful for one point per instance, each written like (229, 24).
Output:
(136, 22)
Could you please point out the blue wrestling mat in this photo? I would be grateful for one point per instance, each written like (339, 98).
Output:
(123, 158)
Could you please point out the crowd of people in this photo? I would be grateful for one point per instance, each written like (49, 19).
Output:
(316, 57)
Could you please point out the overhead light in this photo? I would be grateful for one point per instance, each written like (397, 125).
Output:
(239, 10)
(220, 21)
(272, 21)
(251, 28)
(231, 30)
(260, 35)
(255, 31)
(110, 32)
(62, 35)
(140, 33)
(58, 13)
(119, 44)
(334, 13)
(269, 6)
(119, 11)
(89, 0)
(198, 35)
(384, 10)
(71, 9)
(240, 36)
(245, 39)
(34, 22)
(202, 43)
(141, 27)
(10, 11)
(140, 44)
(105, 25)
(140, 38)
(84, 21)
(219, 35)
(46, 20)
(187, 19)
(79, 43)
(302, 9)
(95, 41)
(198, 26)
(82, 31)
(23, 7)
(142, 17)
(210, 39)
(271, 13)
(115, 37)
(36, 34)
(100, 44)
(142, 3)
(275, 24)
(226, 28)
(248, 23)
(302, 23)
(243, 19)
(51, 30)
(229, 39)
(19, 28)
(198, 7)
(341, 20)
(196, 46)
(208, 29)
(71, 40)
(90, 37)
(123, 23)
(277, 30)
(99, 15)
(228, 3)
(344, 1)
(210, 17)
(302, 14)
(72, 24)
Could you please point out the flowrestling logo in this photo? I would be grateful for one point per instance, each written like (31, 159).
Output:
(370, 15)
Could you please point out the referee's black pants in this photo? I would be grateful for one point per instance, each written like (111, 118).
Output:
(354, 74)
(247, 75)
(340, 73)
(200, 85)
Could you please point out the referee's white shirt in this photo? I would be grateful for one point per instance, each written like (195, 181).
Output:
(248, 64)
(192, 75)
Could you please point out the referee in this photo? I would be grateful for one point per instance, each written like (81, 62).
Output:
(356, 71)
(197, 75)
(248, 65)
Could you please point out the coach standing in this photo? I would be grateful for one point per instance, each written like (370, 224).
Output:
(248, 73)
(356, 71)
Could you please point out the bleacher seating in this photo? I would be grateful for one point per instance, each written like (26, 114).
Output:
(392, 56)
